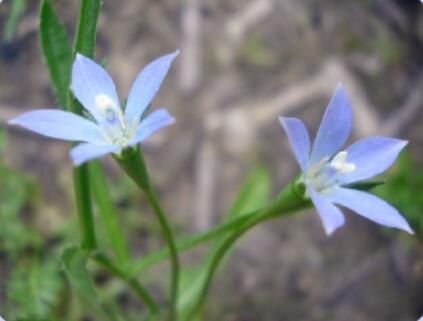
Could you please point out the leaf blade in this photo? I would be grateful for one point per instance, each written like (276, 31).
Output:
(56, 50)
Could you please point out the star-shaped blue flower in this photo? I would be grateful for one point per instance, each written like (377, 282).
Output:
(111, 128)
(328, 173)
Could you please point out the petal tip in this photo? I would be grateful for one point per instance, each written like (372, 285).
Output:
(284, 120)
(12, 121)
(76, 161)
(79, 56)
(404, 143)
(73, 157)
(340, 86)
(407, 229)
(340, 90)
(330, 230)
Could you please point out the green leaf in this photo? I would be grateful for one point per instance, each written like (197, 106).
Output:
(35, 287)
(74, 262)
(253, 194)
(404, 181)
(56, 51)
(17, 191)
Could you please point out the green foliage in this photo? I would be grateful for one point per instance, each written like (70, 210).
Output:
(16, 10)
(56, 50)
(253, 194)
(34, 284)
(75, 266)
(15, 194)
(35, 287)
(403, 189)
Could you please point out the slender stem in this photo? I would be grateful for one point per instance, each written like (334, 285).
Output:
(132, 162)
(168, 235)
(83, 202)
(188, 242)
(287, 202)
(86, 29)
(138, 289)
(84, 42)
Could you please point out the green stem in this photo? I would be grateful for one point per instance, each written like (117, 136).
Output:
(138, 289)
(86, 30)
(132, 162)
(168, 235)
(189, 242)
(84, 43)
(287, 202)
(82, 195)
(217, 231)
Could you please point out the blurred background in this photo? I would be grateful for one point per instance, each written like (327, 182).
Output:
(242, 63)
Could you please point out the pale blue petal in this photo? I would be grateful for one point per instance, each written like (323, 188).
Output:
(334, 128)
(59, 124)
(90, 80)
(370, 207)
(298, 139)
(146, 86)
(87, 151)
(331, 216)
(152, 123)
(371, 157)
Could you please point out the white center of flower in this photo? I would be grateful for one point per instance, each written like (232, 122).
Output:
(324, 174)
(113, 123)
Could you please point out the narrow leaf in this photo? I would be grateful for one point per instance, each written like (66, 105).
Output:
(253, 194)
(56, 51)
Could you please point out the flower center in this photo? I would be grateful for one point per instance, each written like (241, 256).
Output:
(113, 123)
(324, 175)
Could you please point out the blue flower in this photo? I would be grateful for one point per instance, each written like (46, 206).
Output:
(328, 173)
(110, 128)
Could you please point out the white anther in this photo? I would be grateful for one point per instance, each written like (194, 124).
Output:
(339, 162)
(103, 102)
(109, 110)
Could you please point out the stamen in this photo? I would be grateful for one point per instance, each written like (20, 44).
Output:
(114, 124)
(316, 169)
(340, 164)
(323, 175)
(110, 111)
